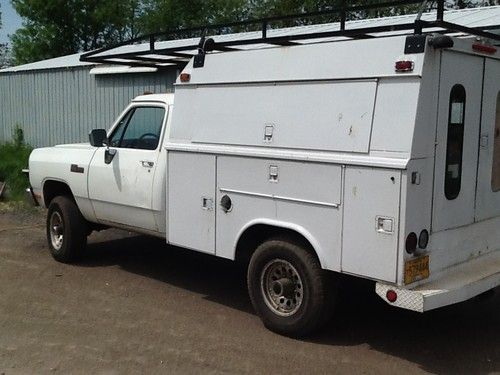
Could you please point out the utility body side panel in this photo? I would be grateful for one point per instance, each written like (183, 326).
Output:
(363, 58)
(395, 113)
(281, 115)
(305, 197)
(371, 222)
(191, 206)
(416, 207)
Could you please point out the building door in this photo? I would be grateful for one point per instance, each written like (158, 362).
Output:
(459, 116)
(488, 184)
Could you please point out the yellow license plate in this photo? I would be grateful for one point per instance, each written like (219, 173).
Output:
(416, 269)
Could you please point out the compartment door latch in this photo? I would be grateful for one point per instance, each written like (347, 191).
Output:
(385, 224)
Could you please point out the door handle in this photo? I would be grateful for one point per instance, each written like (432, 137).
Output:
(147, 163)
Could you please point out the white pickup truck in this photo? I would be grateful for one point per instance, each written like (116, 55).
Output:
(303, 166)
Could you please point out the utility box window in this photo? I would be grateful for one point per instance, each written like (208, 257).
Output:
(495, 175)
(455, 143)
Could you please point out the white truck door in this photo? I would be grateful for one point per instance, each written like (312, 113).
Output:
(121, 190)
(488, 183)
(459, 108)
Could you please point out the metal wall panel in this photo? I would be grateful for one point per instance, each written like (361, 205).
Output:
(63, 105)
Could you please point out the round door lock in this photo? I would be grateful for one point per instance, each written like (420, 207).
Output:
(226, 203)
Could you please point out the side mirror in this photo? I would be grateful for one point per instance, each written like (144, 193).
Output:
(98, 137)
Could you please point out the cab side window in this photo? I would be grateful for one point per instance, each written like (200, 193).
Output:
(455, 142)
(140, 129)
(495, 174)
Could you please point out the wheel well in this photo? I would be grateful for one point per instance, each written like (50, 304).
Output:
(257, 234)
(52, 189)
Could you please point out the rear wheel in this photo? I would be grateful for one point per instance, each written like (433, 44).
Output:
(288, 289)
(66, 230)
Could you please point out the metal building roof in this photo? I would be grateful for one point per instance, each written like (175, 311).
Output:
(484, 17)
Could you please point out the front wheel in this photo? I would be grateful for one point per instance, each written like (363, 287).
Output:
(66, 230)
(290, 291)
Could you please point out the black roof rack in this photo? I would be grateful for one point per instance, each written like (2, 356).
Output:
(209, 38)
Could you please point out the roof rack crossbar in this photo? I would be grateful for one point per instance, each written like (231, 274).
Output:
(264, 22)
(200, 35)
(464, 29)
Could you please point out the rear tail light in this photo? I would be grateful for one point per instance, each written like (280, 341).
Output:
(404, 66)
(391, 296)
(423, 239)
(411, 243)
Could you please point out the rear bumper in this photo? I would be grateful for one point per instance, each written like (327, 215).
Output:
(453, 285)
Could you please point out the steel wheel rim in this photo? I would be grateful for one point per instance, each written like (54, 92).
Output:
(281, 287)
(56, 229)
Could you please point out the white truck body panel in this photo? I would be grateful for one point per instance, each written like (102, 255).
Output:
(487, 200)
(191, 192)
(467, 71)
(371, 209)
(352, 59)
(248, 110)
(259, 198)
(51, 164)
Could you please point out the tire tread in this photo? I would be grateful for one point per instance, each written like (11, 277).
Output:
(323, 298)
(75, 230)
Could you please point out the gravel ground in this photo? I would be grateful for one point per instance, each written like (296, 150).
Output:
(134, 305)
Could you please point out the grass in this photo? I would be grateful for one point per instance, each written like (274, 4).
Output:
(13, 158)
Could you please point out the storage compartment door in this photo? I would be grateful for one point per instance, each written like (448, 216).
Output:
(302, 196)
(457, 140)
(488, 183)
(371, 221)
(333, 116)
(190, 201)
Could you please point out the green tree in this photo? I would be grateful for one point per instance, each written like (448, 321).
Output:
(59, 27)
(4, 50)
(5, 57)
(162, 15)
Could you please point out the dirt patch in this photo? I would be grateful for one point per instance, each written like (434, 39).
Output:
(135, 305)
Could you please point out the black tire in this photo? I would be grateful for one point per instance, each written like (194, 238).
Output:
(318, 288)
(73, 230)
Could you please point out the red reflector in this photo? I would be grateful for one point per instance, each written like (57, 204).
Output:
(392, 296)
(404, 66)
(185, 77)
(484, 48)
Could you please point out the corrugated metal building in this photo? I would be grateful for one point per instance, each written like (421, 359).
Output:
(60, 101)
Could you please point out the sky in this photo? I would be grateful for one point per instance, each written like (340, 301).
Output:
(10, 20)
